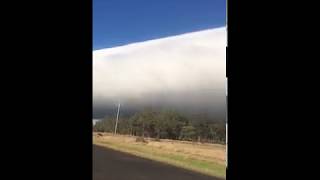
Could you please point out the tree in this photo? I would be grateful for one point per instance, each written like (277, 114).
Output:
(188, 133)
(172, 123)
(167, 124)
(105, 125)
(135, 124)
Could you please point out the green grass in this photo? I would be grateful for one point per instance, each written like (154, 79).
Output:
(173, 158)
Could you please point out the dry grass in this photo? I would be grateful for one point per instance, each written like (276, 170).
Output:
(205, 158)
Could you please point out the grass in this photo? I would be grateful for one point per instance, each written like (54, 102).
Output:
(203, 158)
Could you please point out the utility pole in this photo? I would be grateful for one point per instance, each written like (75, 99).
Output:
(115, 128)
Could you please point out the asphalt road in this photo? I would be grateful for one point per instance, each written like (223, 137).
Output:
(113, 165)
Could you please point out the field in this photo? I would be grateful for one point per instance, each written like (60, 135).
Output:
(204, 158)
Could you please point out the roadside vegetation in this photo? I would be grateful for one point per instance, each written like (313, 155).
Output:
(206, 158)
(166, 124)
(194, 143)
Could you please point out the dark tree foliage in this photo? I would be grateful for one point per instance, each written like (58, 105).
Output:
(188, 133)
(166, 124)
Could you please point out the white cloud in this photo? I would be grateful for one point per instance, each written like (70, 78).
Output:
(184, 63)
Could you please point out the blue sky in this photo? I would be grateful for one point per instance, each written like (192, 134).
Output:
(120, 22)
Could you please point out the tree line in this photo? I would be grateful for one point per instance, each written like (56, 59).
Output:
(165, 124)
